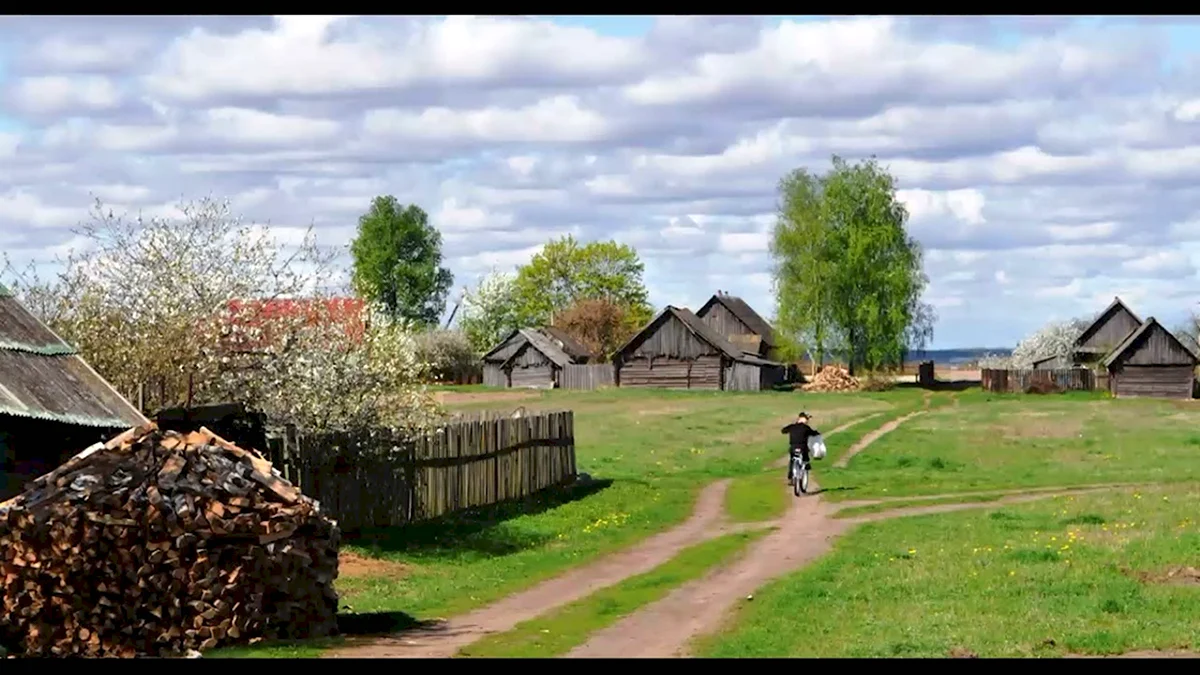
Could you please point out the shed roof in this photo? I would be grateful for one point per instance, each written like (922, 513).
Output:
(43, 377)
(518, 333)
(1102, 317)
(745, 313)
(543, 343)
(569, 344)
(1131, 339)
(701, 330)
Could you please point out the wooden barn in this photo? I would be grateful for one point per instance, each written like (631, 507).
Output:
(1056, 362)
(731, 317)
(52, 404)
(552, 350)
(1151, 362)
(678, 350)
(1103, 335)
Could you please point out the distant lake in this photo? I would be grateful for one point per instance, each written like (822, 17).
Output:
(954, 356)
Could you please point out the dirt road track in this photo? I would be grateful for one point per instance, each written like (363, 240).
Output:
(874, 436)
(667, 628)
(446, 638)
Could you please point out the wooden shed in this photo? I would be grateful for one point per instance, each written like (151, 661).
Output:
(732, 318)
(536, 363)
(549, 338)
(52, 404)
(1112, 326)
(1056, 362)
(1151, 362)
(677, 350)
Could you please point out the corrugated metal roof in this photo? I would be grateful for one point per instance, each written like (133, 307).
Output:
(42, 377)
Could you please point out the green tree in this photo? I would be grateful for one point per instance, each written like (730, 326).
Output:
(398, 262)
(565, 272)
(487, 311)
(848, 278)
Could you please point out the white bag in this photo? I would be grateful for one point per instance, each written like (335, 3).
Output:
(816, 447)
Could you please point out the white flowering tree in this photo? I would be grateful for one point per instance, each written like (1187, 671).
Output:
(1053, 339)
(488, 311)
(154, 299)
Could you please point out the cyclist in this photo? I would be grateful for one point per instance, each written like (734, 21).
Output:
(798, 434)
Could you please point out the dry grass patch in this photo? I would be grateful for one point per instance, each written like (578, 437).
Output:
(352, 565)
(470, 397)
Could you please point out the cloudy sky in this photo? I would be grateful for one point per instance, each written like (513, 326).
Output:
(1048, 163)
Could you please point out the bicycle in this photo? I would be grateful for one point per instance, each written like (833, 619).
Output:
(799, 476)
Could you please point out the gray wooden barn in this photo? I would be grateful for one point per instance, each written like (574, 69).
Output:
(733, 318)
(52, 404)
(551, 350)
(678, 350)
(1103, 335)
(1151, 362)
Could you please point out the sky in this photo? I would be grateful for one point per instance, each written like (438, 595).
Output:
(1048, 164)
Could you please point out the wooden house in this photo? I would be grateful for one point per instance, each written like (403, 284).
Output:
(678, 350)
(1151, 362)
(52, 404)
(551, 345)
(1099, 338)
(731, 317)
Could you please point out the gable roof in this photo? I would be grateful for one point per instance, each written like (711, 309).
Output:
(744, 313)
(569, 344)
(518, 333)
(1102, 317)
(43, 377)
(543, 343)
(701, 330)
(1137, 333)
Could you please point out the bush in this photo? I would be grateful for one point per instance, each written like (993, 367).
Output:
(450, 357)
(877, 382)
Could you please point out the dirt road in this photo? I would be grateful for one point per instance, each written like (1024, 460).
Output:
(446, 638)
(872, 437)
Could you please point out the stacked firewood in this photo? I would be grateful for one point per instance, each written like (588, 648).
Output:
(158, 543)
(832, 378)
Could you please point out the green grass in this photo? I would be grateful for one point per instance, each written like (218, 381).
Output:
(1066, 575)
(891, 505)
(990, 442)
(757, 497)
(310, 649)
(561, 631)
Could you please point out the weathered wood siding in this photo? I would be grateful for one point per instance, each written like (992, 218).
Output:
(670, 339)
(587, 376)
(1017, 381)
(1173, 381)
(507, 349)
(1115, 328)
(672, 373)
(724, 321)
(1156, 348)
(743, 377)
(493, 376)
(530, 368)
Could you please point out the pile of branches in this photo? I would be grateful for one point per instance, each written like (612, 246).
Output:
(159, 543)
(832, 378)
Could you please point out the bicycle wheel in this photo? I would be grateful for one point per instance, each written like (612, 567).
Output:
(804, 481)
(799, 477)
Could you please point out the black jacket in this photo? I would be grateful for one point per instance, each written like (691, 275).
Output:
(798, 435)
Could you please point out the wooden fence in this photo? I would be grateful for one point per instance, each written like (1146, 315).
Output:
(378, 480)
(1018, 381)
(587, 376)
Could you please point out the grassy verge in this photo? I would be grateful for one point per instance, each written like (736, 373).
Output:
(1089, 574)
(989, 442)
(561, 631)
(756, 498)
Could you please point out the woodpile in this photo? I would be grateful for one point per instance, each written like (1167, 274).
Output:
(832, 378)
(159, 543)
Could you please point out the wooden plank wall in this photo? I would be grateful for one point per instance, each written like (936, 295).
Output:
(1018, 381)
(742, 377)
(380, 480)
(587, 376)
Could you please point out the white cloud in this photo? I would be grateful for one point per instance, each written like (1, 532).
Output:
(58, 93)
(557, 119)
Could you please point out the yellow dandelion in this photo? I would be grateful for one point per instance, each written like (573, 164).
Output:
(1011, 573)
(912, 551)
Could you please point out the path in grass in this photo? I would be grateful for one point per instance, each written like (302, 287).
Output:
(444, 639)
(874, 436)
(667, 627)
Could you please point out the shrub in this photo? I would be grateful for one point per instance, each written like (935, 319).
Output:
(449, 356)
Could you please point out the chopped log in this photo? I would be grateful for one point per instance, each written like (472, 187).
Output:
(162, 544)
(832, 379)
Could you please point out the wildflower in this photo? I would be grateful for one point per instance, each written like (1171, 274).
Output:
(1011, 572)
(912, 551)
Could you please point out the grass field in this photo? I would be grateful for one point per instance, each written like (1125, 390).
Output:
(917, 586)
(1086, 574)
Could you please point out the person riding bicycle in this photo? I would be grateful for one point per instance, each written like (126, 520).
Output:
(798, 434)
